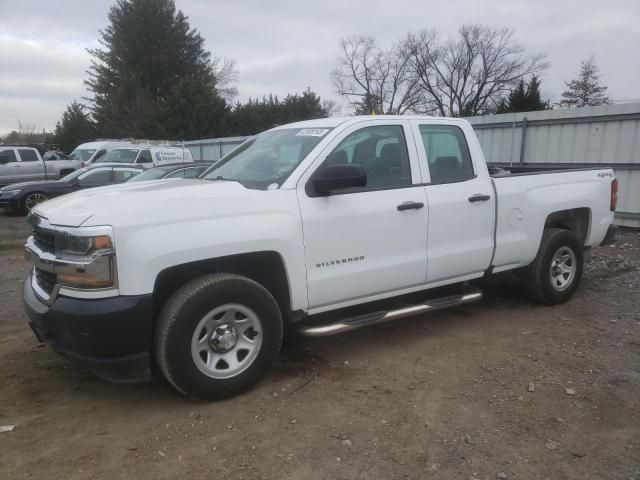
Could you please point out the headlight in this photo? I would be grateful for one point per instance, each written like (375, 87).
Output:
(88, 257)
(9, 193)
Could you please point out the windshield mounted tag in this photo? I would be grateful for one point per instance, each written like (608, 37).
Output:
(312, 132)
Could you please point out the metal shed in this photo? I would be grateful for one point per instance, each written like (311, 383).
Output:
(213, 149)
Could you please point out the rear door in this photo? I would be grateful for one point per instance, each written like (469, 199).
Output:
(367, 240)
(461, 202)
(9, 167)
(31, 167)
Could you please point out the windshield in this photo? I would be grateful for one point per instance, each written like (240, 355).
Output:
(267, 159)
(82, 154)
(120, 155)
(151, 174)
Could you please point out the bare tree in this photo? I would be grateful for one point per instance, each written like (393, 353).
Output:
(373, 80)
(470, 73)
(224, 70)
(586, 90)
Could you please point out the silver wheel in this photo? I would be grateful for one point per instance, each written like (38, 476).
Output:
(563, 269)
(34, 199)
(226, 341)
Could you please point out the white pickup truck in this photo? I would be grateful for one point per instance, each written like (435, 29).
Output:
(320, 226)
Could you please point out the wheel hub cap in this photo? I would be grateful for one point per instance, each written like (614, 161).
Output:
(223, 338)
(226, 341)
(563, 269)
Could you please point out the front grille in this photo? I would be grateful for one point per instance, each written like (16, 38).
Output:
(44, 239)
(45, 280)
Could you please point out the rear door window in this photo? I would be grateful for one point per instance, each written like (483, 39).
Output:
(27, 155)
(447, 154)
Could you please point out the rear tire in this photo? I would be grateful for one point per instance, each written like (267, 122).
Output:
(554, 275)
(217, 336)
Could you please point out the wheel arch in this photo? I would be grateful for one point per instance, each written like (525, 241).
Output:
(576, 220)
(265, 267)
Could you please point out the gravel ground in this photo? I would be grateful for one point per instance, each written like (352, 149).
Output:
(499, 389)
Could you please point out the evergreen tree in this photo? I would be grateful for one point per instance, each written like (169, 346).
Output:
(153, 77)
(586, 90)
(369, 105)
(74, 128)
(524, 98)
(256, 116)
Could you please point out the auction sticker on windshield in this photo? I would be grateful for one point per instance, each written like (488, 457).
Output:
(312, 132)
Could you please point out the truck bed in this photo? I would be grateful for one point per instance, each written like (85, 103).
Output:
(526, 196)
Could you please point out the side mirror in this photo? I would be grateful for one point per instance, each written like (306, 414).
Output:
(340, 177)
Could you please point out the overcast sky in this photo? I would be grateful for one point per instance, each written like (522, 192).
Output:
(284, 46)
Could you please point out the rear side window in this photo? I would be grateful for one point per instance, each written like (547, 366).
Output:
(96, 178)
(447, 153)
(27, 155)
(7, 156)
(121, 176)
(145, 157)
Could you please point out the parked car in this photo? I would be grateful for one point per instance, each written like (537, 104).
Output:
(147, 155)
(173, 170)
(23, 164)
(22, 197)
(323, 226)
(90, 152)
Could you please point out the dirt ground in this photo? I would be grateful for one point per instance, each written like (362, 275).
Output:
(443, 396)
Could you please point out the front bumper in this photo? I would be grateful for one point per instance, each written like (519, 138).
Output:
(110, 336)
(608, 238)
(10, 203)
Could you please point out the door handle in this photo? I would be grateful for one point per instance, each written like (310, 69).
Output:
(410, 206)
(479, 198)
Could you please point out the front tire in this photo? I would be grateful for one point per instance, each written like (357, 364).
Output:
(33, 199)
(554, 275)
(217, 336)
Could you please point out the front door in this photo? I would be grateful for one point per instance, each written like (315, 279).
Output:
(366, 240)
(9, 167)
(461, 203)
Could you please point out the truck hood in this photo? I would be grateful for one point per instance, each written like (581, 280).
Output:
(140, 202)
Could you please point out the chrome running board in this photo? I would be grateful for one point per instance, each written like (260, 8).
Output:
(375, 318)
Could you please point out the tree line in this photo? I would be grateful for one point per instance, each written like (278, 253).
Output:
(152, 77)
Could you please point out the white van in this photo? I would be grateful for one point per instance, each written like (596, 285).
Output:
(147, 155)
(93, 151)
